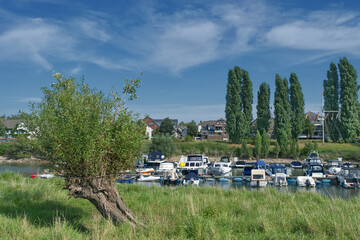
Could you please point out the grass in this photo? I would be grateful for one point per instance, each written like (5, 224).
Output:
(38, 208)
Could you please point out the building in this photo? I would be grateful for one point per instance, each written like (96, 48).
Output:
(14, 127)
(154, 124)
(213, 130)
(316, 119)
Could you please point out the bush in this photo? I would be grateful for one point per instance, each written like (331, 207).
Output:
(162, 143)
(4, 147)
(22, 147)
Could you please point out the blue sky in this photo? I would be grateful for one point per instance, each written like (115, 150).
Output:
(184, 49)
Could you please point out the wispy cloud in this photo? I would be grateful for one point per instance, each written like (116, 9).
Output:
(28, 99)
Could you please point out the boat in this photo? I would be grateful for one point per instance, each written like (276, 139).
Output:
(192, 178)
(305, 181)
(296, 165)
(274, 168)
(155, 159)
(221, 169)
(148, 178)
(239, 164)
(223, 179)
(125, 179)
(145, 171)
(238, 179)
(313, 158)
(334, 167)
(166, 167)
(315, 170)
(280, 179)
(258, 178)
(170, 177)
(225, 159)
(46, 176)
(349, 177)
(193, 162)
(253, 165)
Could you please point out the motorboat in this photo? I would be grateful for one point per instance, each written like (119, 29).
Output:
(349, 177)
(258, 178)
(334, 167)
(313, 158)
(148, 178)
(305, 181)
(315, 170)
(170, 177)
(239, 164)
(155, 159)
(145, 171)
(274, 168)
(296, 165)
(193, 162)
(225, 159)
(221, 169)
(166, 167)
(125, 179)
(192, 178)
(46, 176)
(280, 179)
(253, 165)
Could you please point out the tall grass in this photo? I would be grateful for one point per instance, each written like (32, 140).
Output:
(38, 208)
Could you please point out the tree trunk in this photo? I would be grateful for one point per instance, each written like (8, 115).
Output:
(103, 194)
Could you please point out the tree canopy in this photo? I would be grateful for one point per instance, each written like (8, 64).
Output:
(166, 127)
(92, 137)
(297, 105)
(263, 108)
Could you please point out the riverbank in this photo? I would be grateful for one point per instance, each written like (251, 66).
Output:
(9, 160)
(40, 209)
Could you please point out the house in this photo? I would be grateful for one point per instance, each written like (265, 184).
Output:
(270, 131)
(154, 124)
(14, 127)
(315, 119)
(213, 130)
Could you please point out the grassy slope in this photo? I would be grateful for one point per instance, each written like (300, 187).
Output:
(40, 209)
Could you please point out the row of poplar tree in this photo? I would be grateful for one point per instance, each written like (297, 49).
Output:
(289, 107)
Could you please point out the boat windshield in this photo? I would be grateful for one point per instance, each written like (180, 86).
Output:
(258, 177)
(217, 165)
(194, 158)
(316, 168)
(225, 159)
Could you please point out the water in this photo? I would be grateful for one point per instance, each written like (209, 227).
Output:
(331, 191)
(23, 168)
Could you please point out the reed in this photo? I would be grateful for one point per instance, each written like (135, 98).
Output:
(38, 208)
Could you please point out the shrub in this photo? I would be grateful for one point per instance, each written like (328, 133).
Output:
(162, 143)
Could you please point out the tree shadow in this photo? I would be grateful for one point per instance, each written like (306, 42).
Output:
(40, 212)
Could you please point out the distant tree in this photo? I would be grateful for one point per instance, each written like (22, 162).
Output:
(331, 103)
(166, 127)
(282, 127)
(258, 145)
(163, 143)
(192, 129)
(265, 140)
(92, 138)
(309, 128)
(182, 124)
(263, 108)
(297, 105)
(19, 116)
(233, 112)
(247, 101)
(348, 100)
(2, 128)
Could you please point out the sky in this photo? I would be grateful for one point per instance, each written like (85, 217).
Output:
(181, 50)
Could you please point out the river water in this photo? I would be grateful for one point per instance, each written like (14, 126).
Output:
(331, 191)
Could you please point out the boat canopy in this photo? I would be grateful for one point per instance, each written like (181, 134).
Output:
(153, 156)
(260, 163)
(192, 175)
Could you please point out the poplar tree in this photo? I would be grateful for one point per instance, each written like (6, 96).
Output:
(263, 108)
(331, 103)
(247, 101)
(233, 106)
(265, 142)
(282, 127)
(297, 115)
(348, 100)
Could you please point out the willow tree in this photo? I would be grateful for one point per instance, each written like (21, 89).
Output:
(92, 137)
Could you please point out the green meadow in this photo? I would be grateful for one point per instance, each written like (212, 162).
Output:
(40, 209)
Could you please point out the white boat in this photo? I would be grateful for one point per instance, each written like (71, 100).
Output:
(221, 169)
(170, 177)
(280, 179)
(193, 162)
(145, 171)
(258, 178)
(349, 177)
(192, 178)
(148, 178)
(155, 159)
(334, 167)
(315, 170)
(46, 176)
(166, 167)
(313, 158)
(305, 181)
